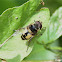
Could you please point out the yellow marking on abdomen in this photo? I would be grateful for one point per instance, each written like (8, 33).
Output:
(29, 36)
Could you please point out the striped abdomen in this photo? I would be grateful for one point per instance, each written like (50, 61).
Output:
(26, 36)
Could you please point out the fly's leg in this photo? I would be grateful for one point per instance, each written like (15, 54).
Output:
(18, 29)
(21, 28)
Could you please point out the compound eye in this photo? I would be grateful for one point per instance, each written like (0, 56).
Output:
(40, 26)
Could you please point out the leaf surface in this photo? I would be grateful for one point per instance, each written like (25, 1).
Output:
(54, 30)
(11, 19)
(52, 33)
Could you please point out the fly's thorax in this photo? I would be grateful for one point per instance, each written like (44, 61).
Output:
(32, 29)
(29, 30)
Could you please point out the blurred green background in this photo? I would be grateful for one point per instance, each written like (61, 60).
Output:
(51, 4)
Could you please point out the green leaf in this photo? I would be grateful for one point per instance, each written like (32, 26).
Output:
(0, 60)
(53, 32)
(15, 48)
(11, 19)
(40, 53)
